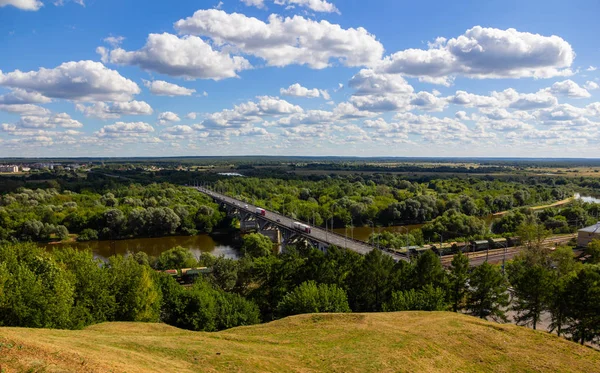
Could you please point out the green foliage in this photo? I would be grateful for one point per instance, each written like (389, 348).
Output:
(593, 250)
(257, 245)
(176, 258)
(458, 280)
(454, 224)
(311, 298)
(136, 295)
(583, 304)
(429, 298)
(370, 283)
(532, 287)
(487, 296)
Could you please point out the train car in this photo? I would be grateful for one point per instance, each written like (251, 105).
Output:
(260, 211)
(301, 227)
(480, 245)
(514, 241)
(498, 243)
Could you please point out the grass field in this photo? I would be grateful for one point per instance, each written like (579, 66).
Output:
(381, 342)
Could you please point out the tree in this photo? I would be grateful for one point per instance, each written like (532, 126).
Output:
(532, 289)
(92, 299)
(533, 236)
(176, 258)
(312, 298)
(487, 293)
(583, 304)
(370, 285)
(429, 298)
(459, 277)
(137, 296)
(428, 270)
(593, 250)
(257, 245)
(88, 234)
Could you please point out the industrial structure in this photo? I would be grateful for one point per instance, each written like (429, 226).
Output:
(587, 234)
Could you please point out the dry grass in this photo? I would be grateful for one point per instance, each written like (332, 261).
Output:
(384, 342)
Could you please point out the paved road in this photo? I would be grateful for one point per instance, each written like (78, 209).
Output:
(316, 233)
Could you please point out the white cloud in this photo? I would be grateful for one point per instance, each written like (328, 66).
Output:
(21, 96)
(125, 129)
(103, 110)
(297, 90)
(168, 117)
(592, 68)
(429, 102)
(486, 53)
(191, 115)
(162, 88)
(569, 88)
(25, 109)
(286, 41)
(314, 5)
(79, 81)
(472, 100)
(114, 41)
(251, 111)
(368, 82)
(189, 57)
(590, 86)
(260, 4)
(62, 120)
(531, 101)
(23, 4)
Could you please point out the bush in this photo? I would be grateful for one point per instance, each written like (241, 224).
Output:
(88, 234)
(312, 298)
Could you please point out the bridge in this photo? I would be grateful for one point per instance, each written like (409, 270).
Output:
(318, 237)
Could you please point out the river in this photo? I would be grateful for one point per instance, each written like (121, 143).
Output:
(588, 199)
(216, 245)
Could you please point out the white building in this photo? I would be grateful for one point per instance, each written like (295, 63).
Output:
(9, 168)
(587, 234)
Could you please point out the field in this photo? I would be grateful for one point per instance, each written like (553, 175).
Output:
(379, 342)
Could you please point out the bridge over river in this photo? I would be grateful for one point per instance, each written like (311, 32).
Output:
(318, 237)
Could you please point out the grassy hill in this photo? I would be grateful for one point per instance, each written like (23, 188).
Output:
(380, 342)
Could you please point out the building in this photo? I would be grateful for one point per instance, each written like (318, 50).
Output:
(587, 234)
(9, 168)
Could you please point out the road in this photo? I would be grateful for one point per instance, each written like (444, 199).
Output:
(316, 233)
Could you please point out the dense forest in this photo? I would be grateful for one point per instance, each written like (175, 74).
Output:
(70, 289)
(124, 211)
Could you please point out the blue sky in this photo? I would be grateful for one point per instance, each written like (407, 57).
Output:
(299, 77)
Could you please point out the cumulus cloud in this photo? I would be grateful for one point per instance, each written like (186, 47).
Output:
(296, 90)
(191, 115)
(592, 68)
(103, 110)
(251, 111)
(61, 120)
(189, 57)
(286, 41)
(590, 86)
(429, 102)
(79, 81)
(125, 129)
(314, 5)
(23, 4)
(162, 88)
(114, 41)
(569, 88)
(168, 117)
(25, 109)
(260, 4)
(368, 82)
(485, 53)
(21, 96)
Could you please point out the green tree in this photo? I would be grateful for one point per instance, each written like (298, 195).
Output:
(428, 270)
(137, 297)
(312, 298)
(583, 304)
(532, 286)
(487, 294)
(593, 250)
(176, 258)
(257, 245)
(370, 285)
(428, 298)
(459, 277)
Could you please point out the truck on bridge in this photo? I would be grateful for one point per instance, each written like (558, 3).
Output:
(301, 227)
(260, 211)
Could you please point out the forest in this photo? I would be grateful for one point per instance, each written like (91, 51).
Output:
(70, 289)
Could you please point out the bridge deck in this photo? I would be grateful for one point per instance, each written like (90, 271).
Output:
(317, 233)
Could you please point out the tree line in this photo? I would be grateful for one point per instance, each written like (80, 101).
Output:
(70, 289)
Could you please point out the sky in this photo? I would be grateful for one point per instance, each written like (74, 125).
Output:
(104, 78)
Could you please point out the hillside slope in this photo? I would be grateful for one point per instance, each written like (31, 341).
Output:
(379, 342)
